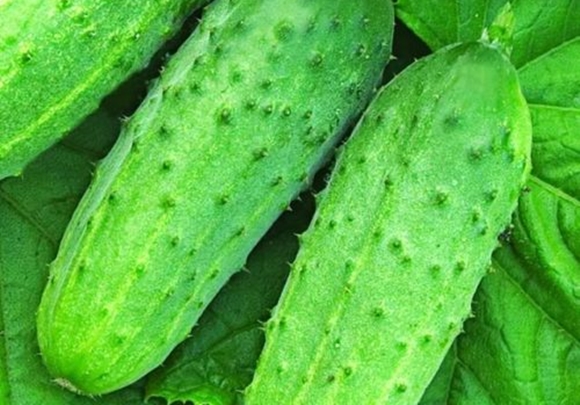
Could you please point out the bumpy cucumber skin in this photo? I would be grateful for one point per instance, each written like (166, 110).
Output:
(232, 131)
(59, 58)
(402, 236)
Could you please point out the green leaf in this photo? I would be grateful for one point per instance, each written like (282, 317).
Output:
(523, 346)
(540, 25)
(552, 79)
(217, 362)
(440, 23)
(555, 154)
(438, 391)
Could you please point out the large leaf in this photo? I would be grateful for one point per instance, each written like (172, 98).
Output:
(540, 25)
(523, 345)
(441, 23)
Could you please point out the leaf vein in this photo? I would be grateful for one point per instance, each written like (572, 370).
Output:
(533, 302)
(28, 217)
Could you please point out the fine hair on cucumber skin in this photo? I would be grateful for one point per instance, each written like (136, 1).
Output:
(59, 58)
(402, 235)
(235, 127)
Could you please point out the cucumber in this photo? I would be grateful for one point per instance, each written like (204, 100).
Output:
(401, 237)
(239, 121)
(59, 58)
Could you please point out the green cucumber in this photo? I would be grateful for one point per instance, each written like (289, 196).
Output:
(402, 235)
(239, 121)
(59, 58)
